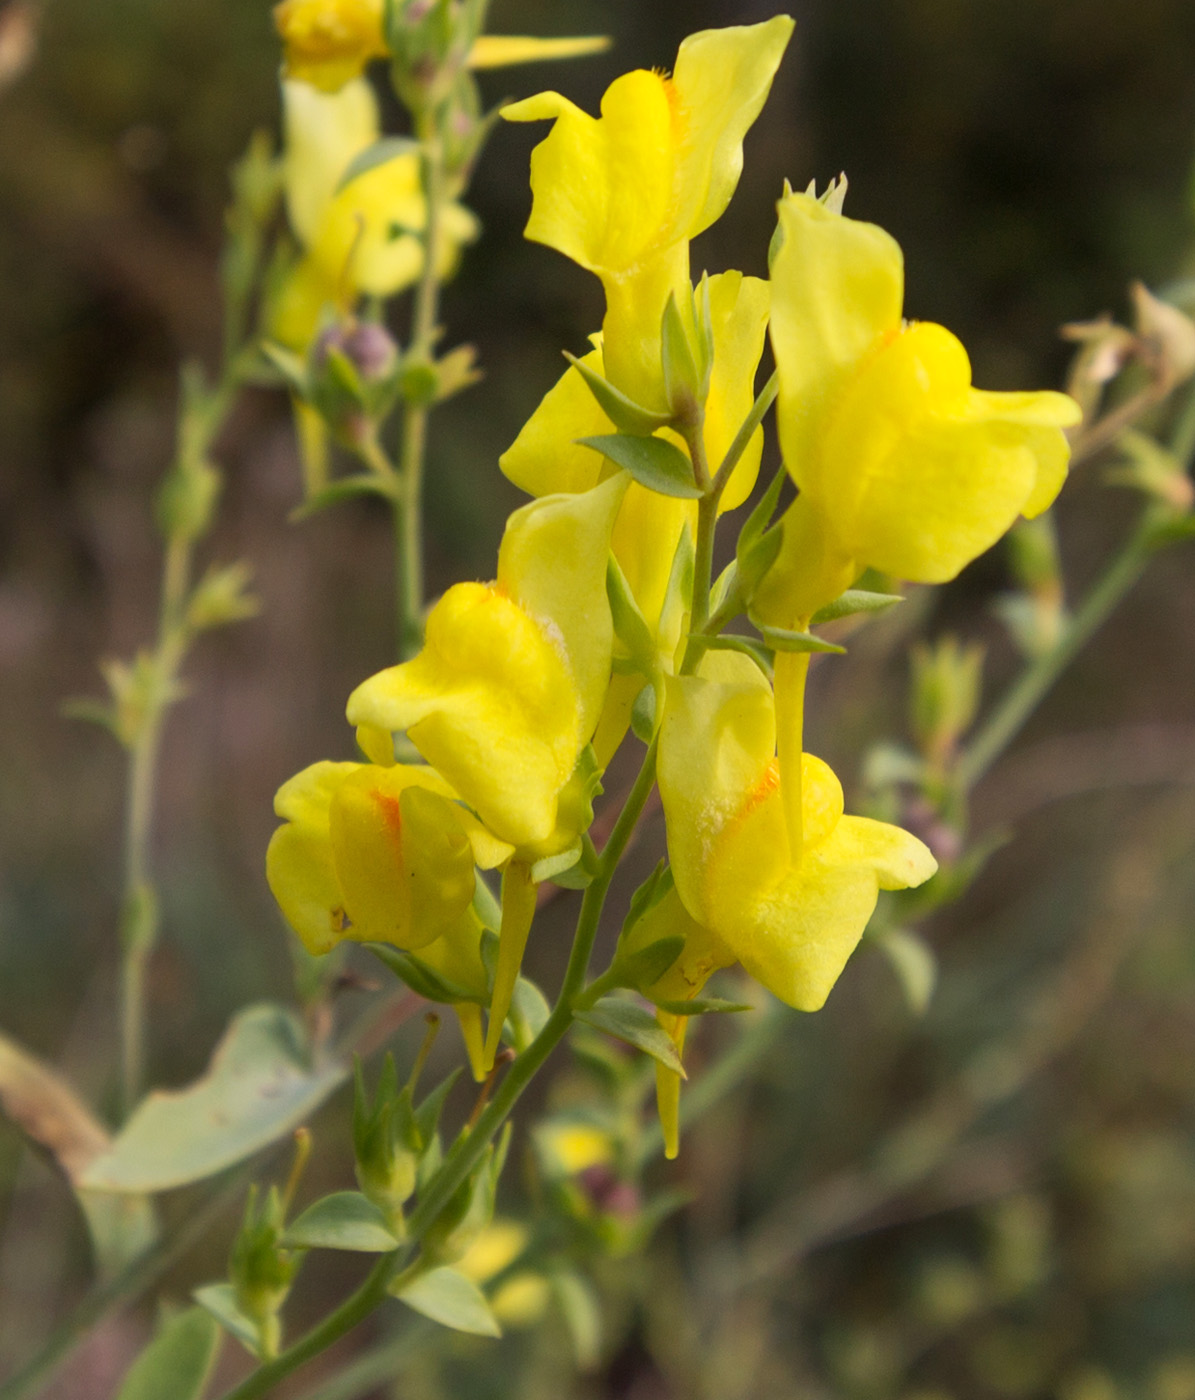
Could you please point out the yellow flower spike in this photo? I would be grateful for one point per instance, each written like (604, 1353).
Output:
(365, 237)
(328, 42)
(509, 686)
(903, 464)
(792, 923)
(518, 911)
(355, 836)
(623, 194)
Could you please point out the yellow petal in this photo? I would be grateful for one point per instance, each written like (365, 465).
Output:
(739, 319)
(401, 856)
(328, 42)
(324, 133)
(376, 744)
(837, 287)
(546, 457)
(811, 569)
(504, 50)
(510, 683)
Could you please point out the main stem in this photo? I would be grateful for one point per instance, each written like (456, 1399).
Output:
(470, 1146)
(408, 504)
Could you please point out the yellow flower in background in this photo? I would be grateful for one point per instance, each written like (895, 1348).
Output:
(326, 43)
(508, 688)
(364, 238)
(791, 921)
(623, 194)
(903, 466)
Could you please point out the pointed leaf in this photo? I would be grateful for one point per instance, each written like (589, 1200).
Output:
(914, 963)
(427, 1115)
(647, 896)
(647, 965)
(761, 514)
(380, 153)
(418, 976)
(682, 379)
(291, 366)
(626, 415)
(178, 1363)
(781, 639)
(551, 866)
(652, 461)
(856, 600)
(702, 1006)
(629, 624)
(346, 489)
(582, 1316)
(758, 558)
(627, 1021)
(452, 1300)
(259, 1086)
(220, 1300)
(344, 1220)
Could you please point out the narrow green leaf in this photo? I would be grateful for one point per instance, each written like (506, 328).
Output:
(178, 1363)
(344, 1220)
(647, 965)
(289, 365)
(220, 1300)
(626, 415)
(427, 1115)
(627, 1021)
(702, 1006)
(582, 1316)
(380, 153)
(731, 641)
(259, 1086)
(781, 639)
(682, 379)
(551, 866)
(761, 514)
(452, 1300)
(759, 557)
(421, 979)
(855, 600)
(347, 488)
(629, 624)
(652, 461)
(914, 963)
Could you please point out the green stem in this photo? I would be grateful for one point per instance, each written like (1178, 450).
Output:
(470, 1146)
(1022, 698)
(764, 401)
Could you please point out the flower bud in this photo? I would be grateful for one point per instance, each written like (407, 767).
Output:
(260, 1271)
(387, 1143)
(946, 689)
(353, 374)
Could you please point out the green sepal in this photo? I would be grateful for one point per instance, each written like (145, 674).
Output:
(645, 713)
(781, 639)
(855, 600)
(626, 415)
(647, 896)
(344, 1220)
(701, 1006)
(427, 1115)
(421, 979)
(652, 461)
(632, 1023)
(644, 967)
(551, 866)
(630, 626)
(290, 366)
(683, 386)
(347, 488)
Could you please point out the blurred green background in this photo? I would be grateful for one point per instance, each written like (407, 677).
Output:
(1032, 157)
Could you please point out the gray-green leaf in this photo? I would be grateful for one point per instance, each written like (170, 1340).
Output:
(344, 1220)
(178, 1363)
(626, 415)
(452, 1300)
(636, 1026)
(652, 461)
(260, 1085)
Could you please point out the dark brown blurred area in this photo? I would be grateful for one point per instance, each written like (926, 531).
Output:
(1032, 156)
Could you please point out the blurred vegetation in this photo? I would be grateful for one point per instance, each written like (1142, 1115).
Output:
(894, 1209)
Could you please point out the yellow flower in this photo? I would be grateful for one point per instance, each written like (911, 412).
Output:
(791, 920)
(546, 457)
(508, 688)
(377, 855)
(623, 194)
(364, 238)
(328, 42)
(902, 465)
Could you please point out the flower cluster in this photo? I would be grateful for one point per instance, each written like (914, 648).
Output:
(603, 616)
